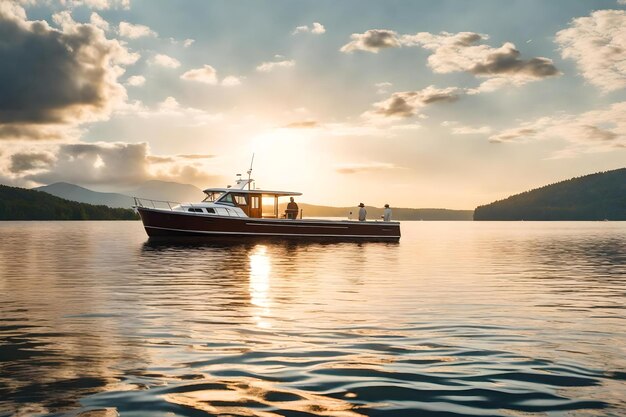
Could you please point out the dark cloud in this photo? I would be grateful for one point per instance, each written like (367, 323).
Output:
(506, 60)
(55, 77)
(21, 162)
(115, 165)
(409, 103)
(372, 40)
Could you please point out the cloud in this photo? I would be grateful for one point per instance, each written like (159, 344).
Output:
(97, 4)
(304, 124)
(196, 156)
(365, 167)
(409, 103)
(231, 81)
(21, 162)
(170, 108)
(58, 78)
(372, 40)
(469, 130)
(317, 29)
(207, 74)
(110, 164)
(136, 80)
(165, 61)
(593, 131)
(97, 20)
(188, 42)
(132, 31)
(464, 52)
(382, 87)
(270, 66)
(597, 43)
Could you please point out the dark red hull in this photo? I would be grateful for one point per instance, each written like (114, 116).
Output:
(161, 223)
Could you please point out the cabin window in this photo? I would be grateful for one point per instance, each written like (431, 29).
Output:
(255, 201)
(240, 199)
(227, 199)
(195, 210)
(210, 210)
(212, 196)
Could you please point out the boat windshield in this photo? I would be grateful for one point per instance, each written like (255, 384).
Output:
(212, 196)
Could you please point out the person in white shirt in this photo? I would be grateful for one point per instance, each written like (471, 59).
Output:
(387, 213)
(362, 212)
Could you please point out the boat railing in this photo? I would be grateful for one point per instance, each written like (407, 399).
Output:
(161, 204)
(170, 205)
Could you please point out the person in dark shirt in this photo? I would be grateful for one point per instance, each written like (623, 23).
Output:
(292, 209)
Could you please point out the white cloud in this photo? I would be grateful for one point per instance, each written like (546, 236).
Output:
(132, 31)
(207, 74)
(382, 87)
(136, 80)
(231, 81)
(188, 42)
(95, 4)
(300, 29)
(270, 66)
(165, 61)
(170, 107)
(592, 131)
(598, 45)
(316, 29)
(96, 20)
(469, 130)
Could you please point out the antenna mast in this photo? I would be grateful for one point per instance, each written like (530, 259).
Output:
(250, 170)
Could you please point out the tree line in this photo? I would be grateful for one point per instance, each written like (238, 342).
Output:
(22, 204)
(597, 196)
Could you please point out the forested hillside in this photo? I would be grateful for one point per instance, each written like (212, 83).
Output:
(592, 197)
(22, 204)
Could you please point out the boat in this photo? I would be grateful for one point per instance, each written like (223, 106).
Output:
(243, 211)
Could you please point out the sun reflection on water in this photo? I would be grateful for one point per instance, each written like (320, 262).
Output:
(260, 268)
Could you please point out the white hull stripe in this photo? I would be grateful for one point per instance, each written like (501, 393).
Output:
(268, 234)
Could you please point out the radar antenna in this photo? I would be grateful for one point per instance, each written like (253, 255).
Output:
(250, 170)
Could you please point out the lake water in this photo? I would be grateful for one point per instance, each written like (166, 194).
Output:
(459, 318)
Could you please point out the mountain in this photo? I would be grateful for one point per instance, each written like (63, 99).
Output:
(170, 191)
(310, 210)
(155, 190)
(592, 197)
(83, 195)
(22, 204)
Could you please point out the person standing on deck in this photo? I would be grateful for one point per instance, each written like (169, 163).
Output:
(387, 213)
(292, 209)
(362, 212)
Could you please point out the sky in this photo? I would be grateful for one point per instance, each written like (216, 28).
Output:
(413, 103)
